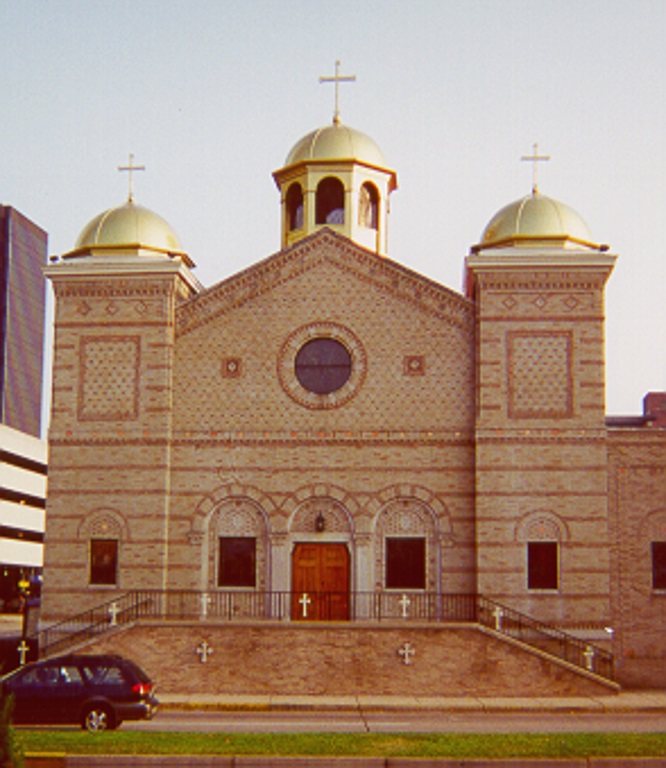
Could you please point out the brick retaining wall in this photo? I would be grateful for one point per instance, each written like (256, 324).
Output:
(341, 659)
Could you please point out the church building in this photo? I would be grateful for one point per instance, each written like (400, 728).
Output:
(328, 442)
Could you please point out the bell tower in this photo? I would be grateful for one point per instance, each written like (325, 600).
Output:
(537, 280)
(336, 177)
(115, 298)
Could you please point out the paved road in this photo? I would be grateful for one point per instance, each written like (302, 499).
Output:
(403, 722)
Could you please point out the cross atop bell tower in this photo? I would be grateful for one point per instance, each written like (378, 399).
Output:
(337, 79)
(535, 158)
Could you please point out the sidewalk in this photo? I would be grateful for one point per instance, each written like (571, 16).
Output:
(625, 701)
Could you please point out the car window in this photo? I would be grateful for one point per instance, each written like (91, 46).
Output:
(29, 677)
(104, 674)
(50, 675)
(70, 675)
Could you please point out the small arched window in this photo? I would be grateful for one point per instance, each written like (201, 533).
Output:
(368, 206)
(330, 202)
(294, 207)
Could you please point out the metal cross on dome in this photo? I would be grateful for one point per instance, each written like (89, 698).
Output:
(130, 168)
(337, 79)
(535, 158)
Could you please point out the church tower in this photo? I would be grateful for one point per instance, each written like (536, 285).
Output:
(336, 177)
(115, 299)
(537, 280)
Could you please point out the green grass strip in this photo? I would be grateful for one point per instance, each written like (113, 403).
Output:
(369, 744)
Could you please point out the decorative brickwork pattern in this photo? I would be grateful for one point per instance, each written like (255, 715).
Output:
(540, 375)
(541, 526)
(109, 378)
(103, 523)
(335, 518)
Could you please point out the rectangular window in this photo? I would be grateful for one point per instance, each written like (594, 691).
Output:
(238, 558)
(658, 564)
(542, 571)
(104, 561)
(405, 563)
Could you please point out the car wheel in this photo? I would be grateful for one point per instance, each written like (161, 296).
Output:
(98, 718)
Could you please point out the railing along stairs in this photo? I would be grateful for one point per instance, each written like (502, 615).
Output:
(254, 605)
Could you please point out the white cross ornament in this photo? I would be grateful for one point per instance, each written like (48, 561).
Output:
(114, 610)
(498, 615)
(204, 651)
(404, 604)
(205, 600)
(407, 652)
(23, 649)
(304, 602)
(588, 655)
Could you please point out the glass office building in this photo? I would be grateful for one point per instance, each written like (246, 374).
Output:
(22, 308)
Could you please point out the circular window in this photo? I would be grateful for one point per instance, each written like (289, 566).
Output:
(323, 366)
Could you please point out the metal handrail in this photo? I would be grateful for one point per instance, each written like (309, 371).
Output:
(546, 638)
(256, 605)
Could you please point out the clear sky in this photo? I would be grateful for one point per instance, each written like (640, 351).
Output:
(210, 95)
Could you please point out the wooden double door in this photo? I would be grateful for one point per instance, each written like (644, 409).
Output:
(320, 582)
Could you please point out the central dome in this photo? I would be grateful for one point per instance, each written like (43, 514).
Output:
(336, 142)
(128, 226)
(535, 217)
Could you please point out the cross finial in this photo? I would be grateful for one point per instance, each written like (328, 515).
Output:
(130, 167)
(535, 158)
(337, 79)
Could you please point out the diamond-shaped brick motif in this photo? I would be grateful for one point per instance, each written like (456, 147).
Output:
(540, 302)
(509, 302)
(571, 302)
(109, 378)
(540, 375)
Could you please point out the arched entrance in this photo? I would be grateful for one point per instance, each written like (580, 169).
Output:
(320, 581)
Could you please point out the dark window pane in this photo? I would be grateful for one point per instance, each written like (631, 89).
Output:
(330, 205)
(103, 561)
(295, 207)
(237, 562)
(323, 366)
(659, 565)
(542, 565)
(405, 563)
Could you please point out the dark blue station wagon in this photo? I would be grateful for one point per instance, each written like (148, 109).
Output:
(95, 692)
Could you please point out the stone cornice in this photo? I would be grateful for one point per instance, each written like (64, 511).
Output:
(98, 268)
(325, 246)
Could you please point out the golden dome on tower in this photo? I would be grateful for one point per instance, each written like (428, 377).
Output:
(128, 227)
(336, 142)
(534, 219)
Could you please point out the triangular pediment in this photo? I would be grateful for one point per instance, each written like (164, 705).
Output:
(324, 247)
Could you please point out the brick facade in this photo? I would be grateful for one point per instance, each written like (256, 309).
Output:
(474, 422)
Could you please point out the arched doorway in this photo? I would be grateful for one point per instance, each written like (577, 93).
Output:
(321, 560)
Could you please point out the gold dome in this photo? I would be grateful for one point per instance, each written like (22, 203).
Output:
(336, 142)
(128, 226)
(535, 218)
